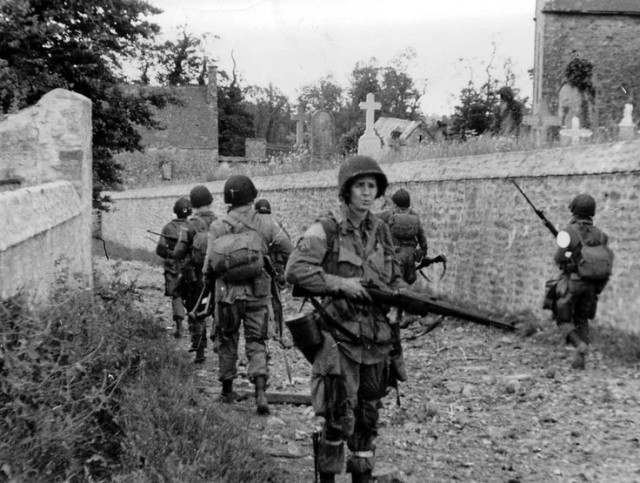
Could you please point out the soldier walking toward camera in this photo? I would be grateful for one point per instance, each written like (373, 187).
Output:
(172, 269)
(238, 244)
(191, 250)
(338, 253)
(408, 237)
(586, 266)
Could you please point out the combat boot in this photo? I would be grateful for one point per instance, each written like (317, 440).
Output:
(579, 358)
(200, 357)
(178, 333)
(361, 477)
(227, 396)
(262, 405)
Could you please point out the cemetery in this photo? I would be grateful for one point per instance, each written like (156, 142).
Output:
(479, 405)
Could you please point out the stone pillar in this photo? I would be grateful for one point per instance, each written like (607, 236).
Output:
(212, 103)
(627, 129)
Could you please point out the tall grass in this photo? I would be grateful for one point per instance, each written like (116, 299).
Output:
(91, 390)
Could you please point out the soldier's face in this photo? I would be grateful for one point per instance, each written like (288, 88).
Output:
(363, 193)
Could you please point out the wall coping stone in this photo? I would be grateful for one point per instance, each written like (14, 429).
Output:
(588, 159)
(26, 212)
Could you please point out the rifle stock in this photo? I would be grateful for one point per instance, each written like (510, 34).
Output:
(168, 237)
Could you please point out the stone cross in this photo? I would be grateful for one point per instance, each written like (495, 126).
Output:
(540, 122)
(370, 105)
(300, 118)
(575, 133)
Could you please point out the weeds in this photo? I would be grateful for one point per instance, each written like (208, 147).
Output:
(90, 390)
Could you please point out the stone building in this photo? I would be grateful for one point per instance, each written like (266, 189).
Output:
(606, 33)
(397, 133)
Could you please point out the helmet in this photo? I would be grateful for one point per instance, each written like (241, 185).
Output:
(401, 198)
(262, 206)
(239, 190)
(182, 207)
(356, 166)
(583, 205)
(200, 196)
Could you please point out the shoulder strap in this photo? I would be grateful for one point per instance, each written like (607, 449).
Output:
(246, 223)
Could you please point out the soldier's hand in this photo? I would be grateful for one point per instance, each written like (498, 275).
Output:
(353, 289)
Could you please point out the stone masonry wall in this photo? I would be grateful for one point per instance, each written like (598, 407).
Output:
(499, 252)
(46, 224)
(611, 43)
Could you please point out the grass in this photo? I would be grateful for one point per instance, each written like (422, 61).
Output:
(91, 390)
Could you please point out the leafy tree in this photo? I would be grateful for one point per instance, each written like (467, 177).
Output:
(270, 109)
(78, 46)
(235, 122)
(326, 95)
(179, 61)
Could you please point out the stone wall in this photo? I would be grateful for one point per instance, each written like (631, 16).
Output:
(611, 44)
(499, 252)
(46, 223)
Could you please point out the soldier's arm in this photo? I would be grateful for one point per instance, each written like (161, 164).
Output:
(161, 248)
(181, 250)
(422, 239)
(304, 267)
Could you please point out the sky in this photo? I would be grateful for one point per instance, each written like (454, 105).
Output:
(292, 43)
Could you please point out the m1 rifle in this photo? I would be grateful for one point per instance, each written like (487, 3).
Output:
(168, 237)
(414, 303)
(538, 212)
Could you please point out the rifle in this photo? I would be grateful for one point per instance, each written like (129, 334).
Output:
(412, 302)
(168, 237)
(278, 314)
(538, 212)
(425, 262)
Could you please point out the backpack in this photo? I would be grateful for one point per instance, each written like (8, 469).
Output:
(200, 240)
(595, 262)
(404, 226)
(238, 257)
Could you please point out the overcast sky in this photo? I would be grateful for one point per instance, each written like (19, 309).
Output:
(290, 43)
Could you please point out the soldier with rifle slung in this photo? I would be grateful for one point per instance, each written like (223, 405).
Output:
(164, 249)
(585, 261)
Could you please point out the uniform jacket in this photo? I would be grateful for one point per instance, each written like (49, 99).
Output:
(365, 251)
(276, 241)
(167, 243)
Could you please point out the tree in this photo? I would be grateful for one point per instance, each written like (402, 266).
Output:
(270, 109)
(326, 95)
(78, 46)
(235, 122)
(180, 62)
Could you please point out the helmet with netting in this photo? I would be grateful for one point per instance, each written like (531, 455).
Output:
(200, 196)
(182, 207)
(239, 190)
(583, 205)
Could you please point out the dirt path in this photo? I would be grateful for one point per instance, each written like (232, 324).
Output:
(481, 405)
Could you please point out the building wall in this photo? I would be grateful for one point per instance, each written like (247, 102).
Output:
(499, 253)
(46, 223)
(611, 43)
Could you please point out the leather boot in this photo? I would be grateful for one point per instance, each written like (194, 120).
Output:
(361, 477)
(226, 396)
(579, 358)
(262, 405)
(327, 478)
(178, 333)
(200, 358)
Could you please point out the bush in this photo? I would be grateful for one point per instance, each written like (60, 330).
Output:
(91, 390)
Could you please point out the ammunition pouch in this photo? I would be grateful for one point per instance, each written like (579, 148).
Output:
(306, 335)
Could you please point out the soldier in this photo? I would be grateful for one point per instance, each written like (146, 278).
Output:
(408, 238)
(164, 249)
(242, 285)
(350, 374)
(586, 266)
(190, 251)
(263, 207)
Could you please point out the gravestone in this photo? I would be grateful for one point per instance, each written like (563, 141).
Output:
(255, 149)
(575, 133)
(370, 143)
(322, 135)
(541, 121)
(300, 118)
(627, 129)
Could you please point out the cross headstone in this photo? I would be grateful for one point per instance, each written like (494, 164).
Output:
(370, 143)
(370, 106)
(627, 129)
(300, 118)
(322, 135)
(540, 122)
(575, 133)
